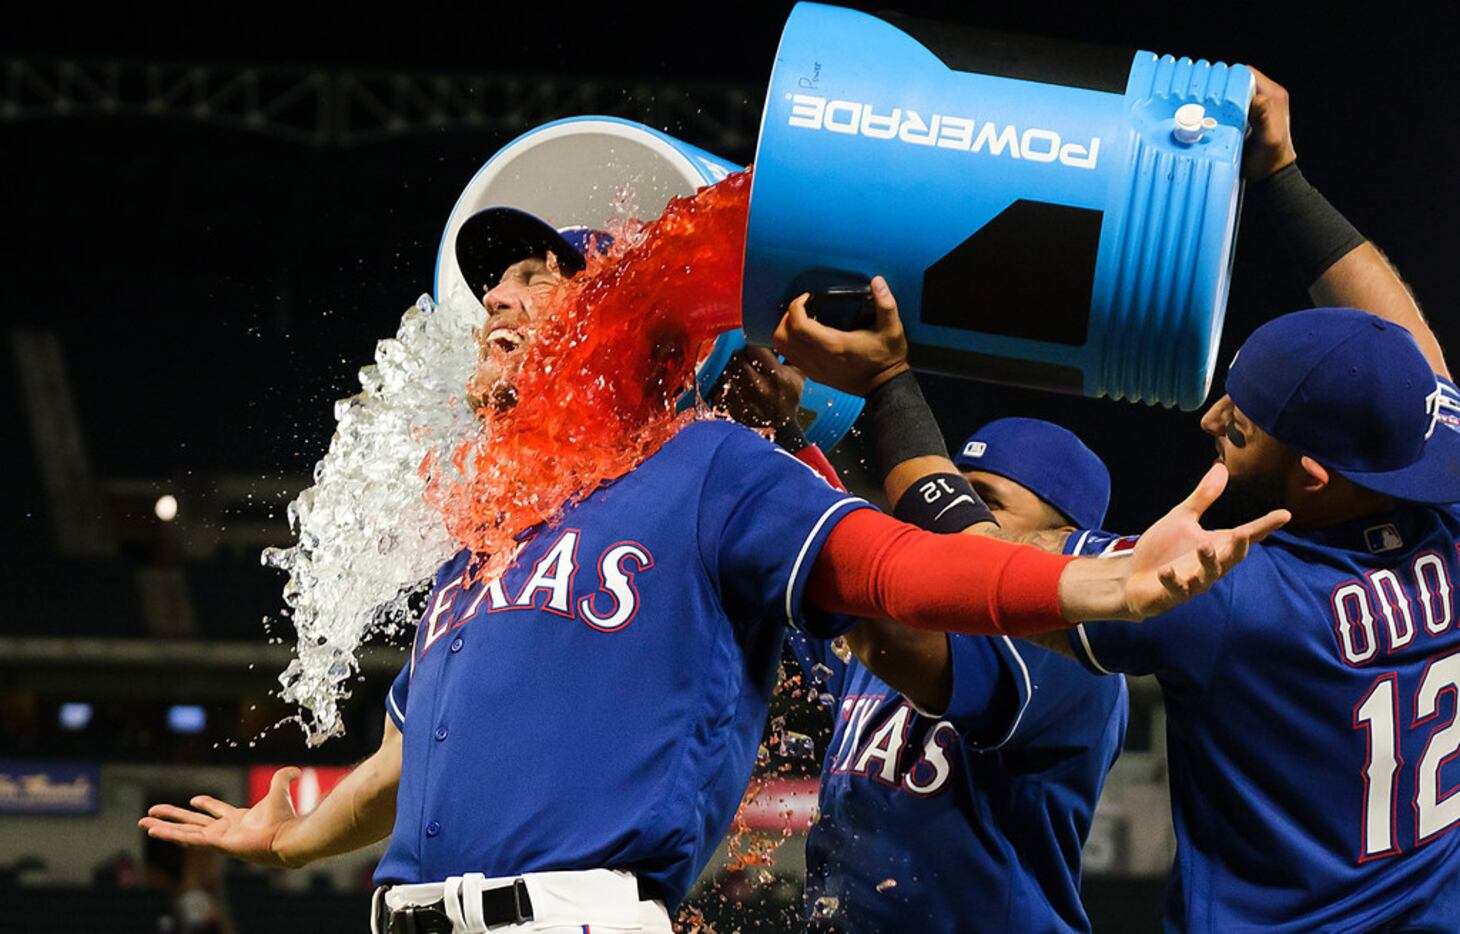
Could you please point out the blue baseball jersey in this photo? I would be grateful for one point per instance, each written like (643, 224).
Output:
(1311, 728)
(972, 820)
(601, 704)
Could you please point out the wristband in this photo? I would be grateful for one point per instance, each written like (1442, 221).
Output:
(942, 502)
(1313, 231)
(901, 425)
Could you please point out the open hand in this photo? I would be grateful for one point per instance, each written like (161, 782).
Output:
(246, 833)
(1176, 558)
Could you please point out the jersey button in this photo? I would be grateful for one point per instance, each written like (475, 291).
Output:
(433, 828)
(456, 644)
(440, 733)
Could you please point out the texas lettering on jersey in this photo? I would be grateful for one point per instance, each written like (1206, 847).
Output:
(878, 753)
(553, 585)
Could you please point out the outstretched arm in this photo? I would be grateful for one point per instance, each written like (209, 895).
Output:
(1339, 266)
(907, 449)
(357, 812)
(872, 565)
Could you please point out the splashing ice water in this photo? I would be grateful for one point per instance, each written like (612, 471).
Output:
(595, 397)
(366, 538)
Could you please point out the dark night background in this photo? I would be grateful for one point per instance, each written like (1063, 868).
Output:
(213, 289)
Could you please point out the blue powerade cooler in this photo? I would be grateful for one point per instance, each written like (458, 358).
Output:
(1048, 214)
(588, 170)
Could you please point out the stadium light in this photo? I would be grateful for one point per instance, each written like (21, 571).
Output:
(74, 716)
(166, 507)
(186, 718)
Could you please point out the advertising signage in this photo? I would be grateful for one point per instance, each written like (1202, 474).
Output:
(29, 786)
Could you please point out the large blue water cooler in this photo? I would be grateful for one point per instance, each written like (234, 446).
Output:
(590, 170)
(1048, 214)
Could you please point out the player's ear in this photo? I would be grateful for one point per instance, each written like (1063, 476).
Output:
(1315, 475)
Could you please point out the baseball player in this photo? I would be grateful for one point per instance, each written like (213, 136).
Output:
(568, 742)
(1311, 696)
(967, 790)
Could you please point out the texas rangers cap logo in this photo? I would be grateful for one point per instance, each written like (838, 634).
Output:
(1443, 408)
(975, 449)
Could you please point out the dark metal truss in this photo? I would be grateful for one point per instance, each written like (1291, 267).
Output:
(329, 108)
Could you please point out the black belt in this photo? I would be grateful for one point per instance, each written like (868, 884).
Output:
(505, 904)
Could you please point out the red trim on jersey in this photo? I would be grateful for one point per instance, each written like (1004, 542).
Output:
(873, 565)
(812, 457)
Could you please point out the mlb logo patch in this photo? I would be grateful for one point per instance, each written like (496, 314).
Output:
(975, 449)
(1381, 538)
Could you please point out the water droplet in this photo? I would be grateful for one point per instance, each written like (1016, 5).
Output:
(825, 907)
(798, 746)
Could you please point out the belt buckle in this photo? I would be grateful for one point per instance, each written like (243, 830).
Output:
(419, 919)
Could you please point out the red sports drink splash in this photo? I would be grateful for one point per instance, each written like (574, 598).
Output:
(598, 382)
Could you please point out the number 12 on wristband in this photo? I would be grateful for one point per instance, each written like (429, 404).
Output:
(942, 502)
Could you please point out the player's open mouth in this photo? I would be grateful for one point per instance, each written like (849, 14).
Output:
(505, 338)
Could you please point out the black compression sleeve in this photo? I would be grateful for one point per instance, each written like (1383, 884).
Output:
(1312, 230)
(900, 424)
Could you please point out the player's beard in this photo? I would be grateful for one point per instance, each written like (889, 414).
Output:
(1246, 498)
(492, 383)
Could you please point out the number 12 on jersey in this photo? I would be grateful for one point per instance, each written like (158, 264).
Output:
(1378, 715)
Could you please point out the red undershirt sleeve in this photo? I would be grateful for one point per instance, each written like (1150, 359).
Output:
(874, 566)
(812, 457)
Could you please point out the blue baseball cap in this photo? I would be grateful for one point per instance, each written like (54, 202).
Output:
(1355, 393)
(494, 238)
(1045, 459)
